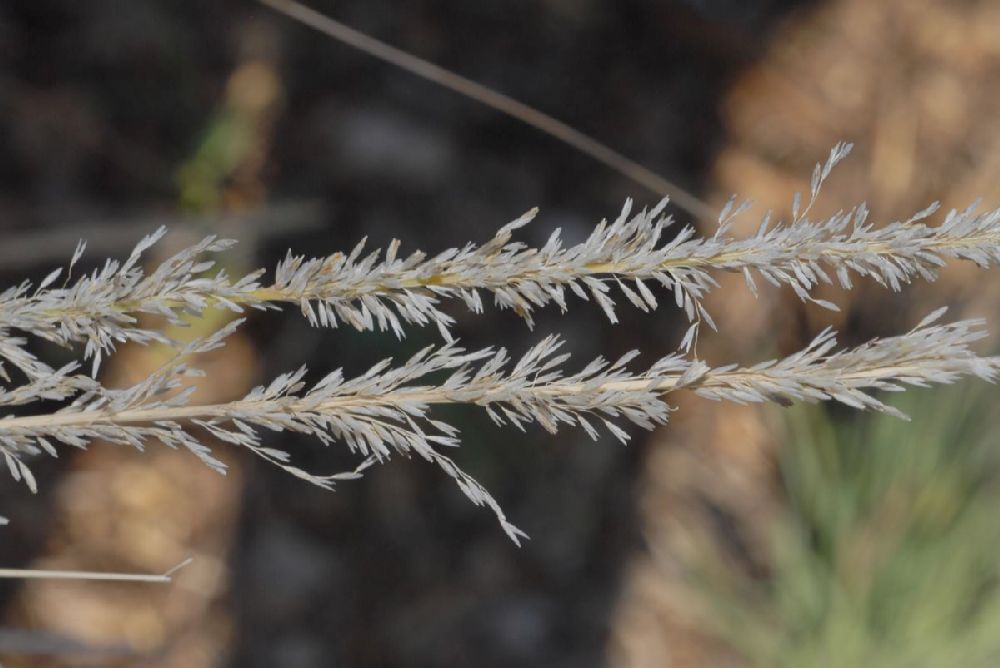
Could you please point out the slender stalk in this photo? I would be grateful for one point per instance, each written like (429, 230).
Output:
(425, 395)
(928, 353)
(495, 100)
(43, 574)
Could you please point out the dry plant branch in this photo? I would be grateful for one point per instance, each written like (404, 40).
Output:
(35, 574)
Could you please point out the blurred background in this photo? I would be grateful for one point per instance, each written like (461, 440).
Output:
(735, 536)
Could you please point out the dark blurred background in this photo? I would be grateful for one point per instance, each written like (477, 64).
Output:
(227, 118)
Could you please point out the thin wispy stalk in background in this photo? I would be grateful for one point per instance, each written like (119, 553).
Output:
(103, 576)
(497, 101)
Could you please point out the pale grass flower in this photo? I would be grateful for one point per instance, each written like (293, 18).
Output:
(389, 409)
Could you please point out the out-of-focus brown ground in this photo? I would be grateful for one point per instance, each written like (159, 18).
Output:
(120, 510)
(913, 84)
(124, 511)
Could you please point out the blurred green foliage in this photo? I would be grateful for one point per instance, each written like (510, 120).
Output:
(888, 551)
(227, 141)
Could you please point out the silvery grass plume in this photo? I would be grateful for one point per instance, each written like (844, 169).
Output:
(370, 289)
(387, 410)
(102, 308)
